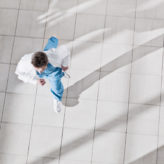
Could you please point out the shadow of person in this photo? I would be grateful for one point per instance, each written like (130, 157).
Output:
(83, 84)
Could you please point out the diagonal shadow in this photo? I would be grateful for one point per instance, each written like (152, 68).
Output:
(83, 84)
(85, 139)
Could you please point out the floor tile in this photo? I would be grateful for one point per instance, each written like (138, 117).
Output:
(45, 114)
(14, 138)
(141, 149)
(147, 60)
(4, 70)
(42, 160)
(145, 115)
(6, 48)
(160, 157)
(10, 4)
(83, 84)
(40, 5)
(45, 141)
(150, 9)
(17, 86)
(111, 116)
(108, 147)
(121, 8)
(14, 159)
(161, 122)
(61, 26)
(73, 162)
(18, 108)
(2, 101)
(89, 23)
(31, 27)
(119, 30)
(24, 46)
(8, 20)
(90, 51)
(76, 115)
(114, 87)
(145, 89)
(97, 7)
(149, 32)
(76, 145)
(116, 58)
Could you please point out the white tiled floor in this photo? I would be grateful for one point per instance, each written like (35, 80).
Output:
(113, 105)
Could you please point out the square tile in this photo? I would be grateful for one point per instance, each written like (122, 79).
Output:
(42, 160)
(77, 145)
(14, 159)
(2, 100)
(62, 5)
(116, 58)
(89, 23)
(162, 91)
(24, 46)
(147, 60)
(75, 116)
(82, 51)
(149, 32)
(141, 149)
(111, 116)
(61, 26)
(83, 84)
(145, 115)
(97, 7)
(45, 141)
(10, 4)
(73, 162)
(109, 147)
(40, 5)
(150, 9)
(4, 70)
(8, 20)
(18, 108)
(161, 122)
(14, 139)
(145, 89)
(17, 86)
(6, 48)
(31, 27)
(119, 30)
(160, 157)
(44, 113)
(121, 8)
(114, 87)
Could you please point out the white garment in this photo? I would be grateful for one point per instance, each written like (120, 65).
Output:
(56, 56)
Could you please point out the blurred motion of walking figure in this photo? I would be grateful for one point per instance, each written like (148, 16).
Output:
(49, 64)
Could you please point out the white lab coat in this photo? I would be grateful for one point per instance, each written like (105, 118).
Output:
(56, 56)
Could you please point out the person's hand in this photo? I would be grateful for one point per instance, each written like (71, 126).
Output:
(64, 68)
(42, 81)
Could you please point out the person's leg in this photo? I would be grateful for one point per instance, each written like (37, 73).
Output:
(57, 90)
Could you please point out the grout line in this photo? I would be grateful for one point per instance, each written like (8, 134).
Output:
(101, 58)
(126, 131)
(159, 117)
(10, 65)
(35, 98)
(71, 49)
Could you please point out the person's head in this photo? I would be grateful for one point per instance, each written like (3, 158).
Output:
(39, 61)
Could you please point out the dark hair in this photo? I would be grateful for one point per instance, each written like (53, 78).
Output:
(39, 59)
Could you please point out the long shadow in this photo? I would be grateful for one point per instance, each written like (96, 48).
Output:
(83, 84)
(84, 139)
(152, 157)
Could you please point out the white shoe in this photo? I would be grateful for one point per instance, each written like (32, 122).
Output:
(66, 75)
(57, 106)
